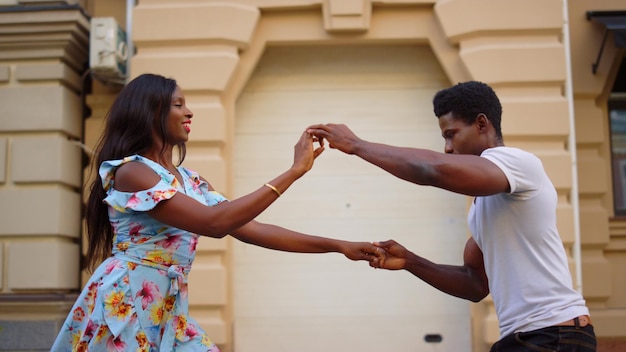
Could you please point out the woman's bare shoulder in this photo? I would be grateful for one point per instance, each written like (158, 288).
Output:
(135, 176)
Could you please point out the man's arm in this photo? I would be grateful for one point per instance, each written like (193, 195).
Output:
(464, 174)
(468, 281)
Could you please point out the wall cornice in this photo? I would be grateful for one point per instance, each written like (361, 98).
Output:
(513, 16)
(46, 32)
(195, 24)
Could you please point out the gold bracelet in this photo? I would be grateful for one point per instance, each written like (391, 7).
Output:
(273, 189)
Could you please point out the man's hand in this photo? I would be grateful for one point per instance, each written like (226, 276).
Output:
(339, 136)
(394, 257)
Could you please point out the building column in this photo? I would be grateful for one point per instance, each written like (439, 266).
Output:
(43, 53)
(198, 44)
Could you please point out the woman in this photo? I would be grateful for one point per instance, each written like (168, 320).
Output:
(144, 216)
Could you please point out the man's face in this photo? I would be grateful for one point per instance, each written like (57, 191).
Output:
(459, 137)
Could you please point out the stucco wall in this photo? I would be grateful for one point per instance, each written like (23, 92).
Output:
(41, 61)
(211, 48)
(602, 235)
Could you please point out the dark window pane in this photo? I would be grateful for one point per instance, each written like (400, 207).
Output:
(617, 118)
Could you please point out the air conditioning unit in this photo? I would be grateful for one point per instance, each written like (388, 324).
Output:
(108, 49)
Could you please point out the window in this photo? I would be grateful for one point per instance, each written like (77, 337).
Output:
(617, 125)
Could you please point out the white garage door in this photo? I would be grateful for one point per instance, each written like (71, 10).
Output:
(324, 302)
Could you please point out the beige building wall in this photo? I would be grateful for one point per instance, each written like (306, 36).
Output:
(602, 234)
(43, 54)
(211, 48)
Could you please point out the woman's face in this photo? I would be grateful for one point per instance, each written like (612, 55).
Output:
(178, 119)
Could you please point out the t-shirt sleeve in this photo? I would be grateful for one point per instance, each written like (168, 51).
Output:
(143, 200)
(523, 170)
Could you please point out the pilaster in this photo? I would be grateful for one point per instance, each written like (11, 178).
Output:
(43, 53)
(200, 47)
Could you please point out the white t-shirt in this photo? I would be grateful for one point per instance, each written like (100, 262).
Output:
(529, 277)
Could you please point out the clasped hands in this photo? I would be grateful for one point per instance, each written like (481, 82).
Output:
(388, 255)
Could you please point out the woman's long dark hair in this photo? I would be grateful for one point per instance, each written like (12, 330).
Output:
(140, 108)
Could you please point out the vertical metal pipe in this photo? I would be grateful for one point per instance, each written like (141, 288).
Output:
(130, 4)
(569, 95)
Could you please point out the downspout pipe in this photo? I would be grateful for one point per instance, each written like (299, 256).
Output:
(569, 95)
(130, 4)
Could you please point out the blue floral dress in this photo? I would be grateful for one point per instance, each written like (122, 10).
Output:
(136, 300)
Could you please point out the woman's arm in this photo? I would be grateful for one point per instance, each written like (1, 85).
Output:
(279, 238)
(188, 214)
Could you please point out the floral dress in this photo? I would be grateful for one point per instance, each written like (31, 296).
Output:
(136, 300)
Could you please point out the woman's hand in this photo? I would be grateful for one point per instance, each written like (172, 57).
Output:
(393, 258)
(362, 251)
(305, 153)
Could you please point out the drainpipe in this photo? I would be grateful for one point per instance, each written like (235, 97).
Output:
(569, 94)
(130, 47)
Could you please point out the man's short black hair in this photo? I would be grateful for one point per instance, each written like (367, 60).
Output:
(468, 99)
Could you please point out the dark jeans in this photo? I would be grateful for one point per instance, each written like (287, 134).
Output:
(550, 339)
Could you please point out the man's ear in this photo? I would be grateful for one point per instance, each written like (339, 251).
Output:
(482, 122)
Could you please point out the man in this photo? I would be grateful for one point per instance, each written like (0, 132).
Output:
(515, 252)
